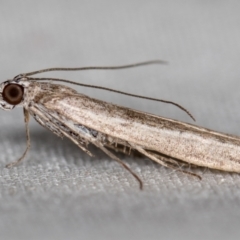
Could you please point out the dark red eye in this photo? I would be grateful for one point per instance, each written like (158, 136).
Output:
(13, 94)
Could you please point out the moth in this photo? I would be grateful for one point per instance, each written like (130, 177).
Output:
(84, 120)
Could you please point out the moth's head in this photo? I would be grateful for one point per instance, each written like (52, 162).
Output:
(11, 94)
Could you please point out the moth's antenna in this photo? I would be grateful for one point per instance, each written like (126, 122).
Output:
(113, 90)
(97, 67)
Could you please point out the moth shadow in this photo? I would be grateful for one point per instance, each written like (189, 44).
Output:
(44, 142)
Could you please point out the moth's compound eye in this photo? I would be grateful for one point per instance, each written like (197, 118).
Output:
(13, 94)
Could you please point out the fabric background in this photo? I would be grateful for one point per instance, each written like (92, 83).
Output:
(60, 193)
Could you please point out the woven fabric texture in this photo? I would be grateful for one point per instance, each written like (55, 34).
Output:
(58, 192)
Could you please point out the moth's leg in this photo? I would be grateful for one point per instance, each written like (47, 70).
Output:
(77, 143)
(120, 148)
(118, 145)
(60, 131)
(26, 119)
(174, 164)
(111, 155)
(162, 160)
(170, 160)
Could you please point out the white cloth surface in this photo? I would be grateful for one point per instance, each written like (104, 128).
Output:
(60, 193)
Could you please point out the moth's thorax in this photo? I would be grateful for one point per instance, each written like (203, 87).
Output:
(33, 91)
(38, 92)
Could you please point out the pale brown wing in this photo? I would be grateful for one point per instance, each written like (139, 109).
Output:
(179, 140)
